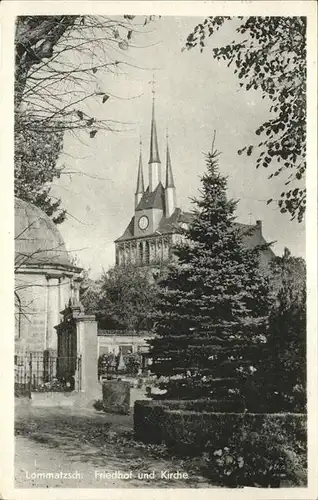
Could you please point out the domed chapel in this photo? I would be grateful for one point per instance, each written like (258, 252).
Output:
(45, 279)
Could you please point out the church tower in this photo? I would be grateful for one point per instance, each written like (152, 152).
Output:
(153, 228)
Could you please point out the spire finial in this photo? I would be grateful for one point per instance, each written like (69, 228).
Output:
(153, 89)
(154, 150)
(140, 177)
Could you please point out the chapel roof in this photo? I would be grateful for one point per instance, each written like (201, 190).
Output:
(37, 239)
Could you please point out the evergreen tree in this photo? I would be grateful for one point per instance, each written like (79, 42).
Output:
(213, 305)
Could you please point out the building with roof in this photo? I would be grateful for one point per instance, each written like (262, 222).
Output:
(154, 226)
(45, 279)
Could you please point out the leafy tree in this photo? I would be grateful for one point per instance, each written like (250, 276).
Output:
(213, 305)
(123, 298)
(288, 273)
(284, 369)
(269, 54)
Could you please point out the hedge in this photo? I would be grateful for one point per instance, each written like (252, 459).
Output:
(199, 430)
(149, 415)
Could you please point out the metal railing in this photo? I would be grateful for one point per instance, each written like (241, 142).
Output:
(38, 371)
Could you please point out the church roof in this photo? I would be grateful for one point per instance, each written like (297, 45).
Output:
(167, 225)
(252, 234)
(129, 232)
(156, 199)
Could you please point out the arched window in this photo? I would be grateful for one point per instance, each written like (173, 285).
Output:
(140, 252)
(147, 253)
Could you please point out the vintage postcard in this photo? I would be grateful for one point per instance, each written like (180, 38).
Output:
(159, 214)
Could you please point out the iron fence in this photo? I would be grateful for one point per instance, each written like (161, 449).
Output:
(38, 371)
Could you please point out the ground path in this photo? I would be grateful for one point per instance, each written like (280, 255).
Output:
(98, 447)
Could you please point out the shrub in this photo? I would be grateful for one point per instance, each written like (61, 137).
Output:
(243, 449)
(266, 457)
(132, 362)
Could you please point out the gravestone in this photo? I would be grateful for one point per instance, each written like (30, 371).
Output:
(116, 396)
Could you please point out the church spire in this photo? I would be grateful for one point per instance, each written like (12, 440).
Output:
(154, 150)
(170, 189)
(154, 159)
(140, 188)
(169, 175)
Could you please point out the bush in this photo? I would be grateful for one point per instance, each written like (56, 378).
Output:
(243, 449)
(132, 362)
(267, 453)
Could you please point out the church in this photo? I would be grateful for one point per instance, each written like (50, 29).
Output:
(154, 228)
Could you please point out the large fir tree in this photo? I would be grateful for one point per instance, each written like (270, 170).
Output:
(213, 305)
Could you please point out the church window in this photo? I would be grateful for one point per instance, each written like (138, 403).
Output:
(147, 253)
(140, 253)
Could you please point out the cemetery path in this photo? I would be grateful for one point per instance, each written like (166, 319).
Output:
(71, 448)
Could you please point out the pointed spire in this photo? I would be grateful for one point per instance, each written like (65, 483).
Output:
(140, 177)
(154, 150)
(169, 175)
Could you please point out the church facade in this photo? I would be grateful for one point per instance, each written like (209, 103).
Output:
(153, 229)
(155, 225)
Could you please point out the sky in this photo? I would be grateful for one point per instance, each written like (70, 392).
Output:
(195, 95)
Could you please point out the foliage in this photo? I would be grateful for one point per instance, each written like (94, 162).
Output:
(57, 63)
(123, 298)
(269, 54)
(35, 167)
(283, 367)
(288, 273)
(241, 449)
(132, 362)
(53, 385)
(267, 456)
(107, 364)
(211, 313)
